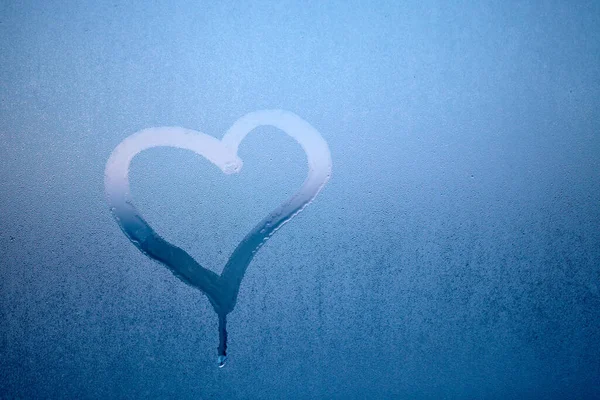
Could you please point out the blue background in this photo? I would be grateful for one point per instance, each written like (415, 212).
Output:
(454, 254)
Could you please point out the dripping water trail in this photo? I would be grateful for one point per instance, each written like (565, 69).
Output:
(222, 340)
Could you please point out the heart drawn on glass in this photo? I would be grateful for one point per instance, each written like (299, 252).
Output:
(221, 290)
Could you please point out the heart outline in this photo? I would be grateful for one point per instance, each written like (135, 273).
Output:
(221, 289)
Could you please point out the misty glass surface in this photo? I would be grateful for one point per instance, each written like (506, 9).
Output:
(454, 252)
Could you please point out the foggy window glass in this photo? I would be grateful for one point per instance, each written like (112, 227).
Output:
(426, 174)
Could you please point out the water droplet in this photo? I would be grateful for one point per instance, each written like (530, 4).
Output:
(232, 167)
(221, 361)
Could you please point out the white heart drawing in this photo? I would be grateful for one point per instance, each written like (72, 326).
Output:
(221, 290)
